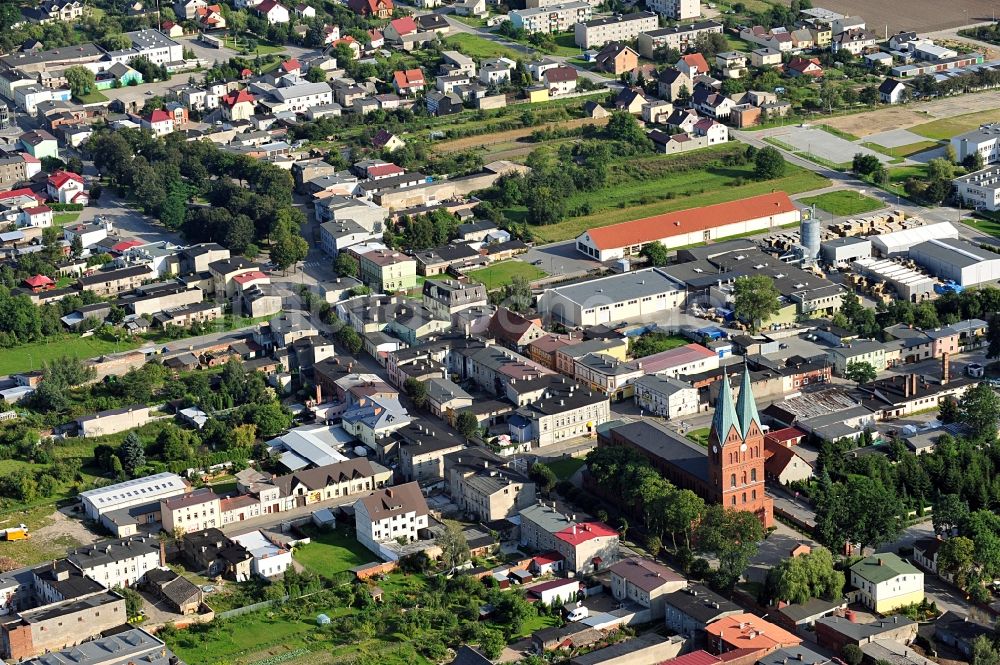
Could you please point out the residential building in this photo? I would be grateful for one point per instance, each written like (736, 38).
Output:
(150, 44)
(421, 449)
(645, 582)
(387, 271)
(680, 37)
(211, 553)
(118, 563)
(191, 512)
(57, 625)
(40, 144)
(551, 18)
(665, 396)
(483, 485)
(113, 421)
(272, 11)
(687, 227)
(445, 297)
(269, 559)
(114, 282)
(891, 91)
(391, 513)
(300, 97)
(237, 105)
(677, 10)
(750, 632)
(690, 610)
(857, 41)
(134, 645)
(732, 64)
(497, 70)
(66, 187)
(835, 632)
(619, 28)
(673, 84)
(957, 631)
(980, 190)
(586, 546)
(562, 80)
(565, 411)
(886, 582)
(765, 57)
(616, 58)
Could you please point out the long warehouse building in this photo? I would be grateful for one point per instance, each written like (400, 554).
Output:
(689, 227)
(958, 261)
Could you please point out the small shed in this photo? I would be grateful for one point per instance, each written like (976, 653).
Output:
(324, 518)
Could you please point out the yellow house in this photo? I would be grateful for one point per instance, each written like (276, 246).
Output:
(538, 93)
(386, 271)
(885, 582)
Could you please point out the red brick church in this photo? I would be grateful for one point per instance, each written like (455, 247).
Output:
(731, 474)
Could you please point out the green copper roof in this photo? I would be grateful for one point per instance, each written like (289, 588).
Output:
(746, 406)
(883, 567)
(725, 412)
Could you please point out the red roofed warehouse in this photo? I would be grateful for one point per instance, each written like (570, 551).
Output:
(689, 227)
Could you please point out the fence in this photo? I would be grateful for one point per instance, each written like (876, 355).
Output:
(239, 611)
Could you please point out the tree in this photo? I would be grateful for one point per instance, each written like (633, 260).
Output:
(980, 410)
(656, 253)
(654, 545)
(852, 653)
(797, 579)
(417, 391)
(732, 537)
(984, 652)
(115, 42)
(860, 372)
(950, 512)
(132, 454)
(517, 294)
(491, 643)
(454, 548)
(860, 510)
(544, 478)
(768, 164)
(956, 557)
(81, 81)
(289, 248)
(316, 75)
(623, 126)
(346, 265)
(117, 468)
(133, 601)
(682, 511)
(350, 340)
(467, 424)
(993, 336)
(755, 299)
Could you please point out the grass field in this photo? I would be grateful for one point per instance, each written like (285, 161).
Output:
(497, 275)
(699, 436)
(847, 136)
(900, 174)
(844, 203)
(31, 356)
(565, 467)
(987, 225)
(63, 218)
(945, 128)
(94, 97)
(480, 47)
(903, 150)
(640, 191)
(332, 552)
(263, 46)
(566, 45)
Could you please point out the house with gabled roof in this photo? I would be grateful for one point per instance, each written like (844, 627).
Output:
(408, 82)
(272, 11)
(399, 28)
(389, 514)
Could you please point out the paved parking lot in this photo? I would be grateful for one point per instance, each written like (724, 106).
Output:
(559, 258)
(895, 138)
(823, 144)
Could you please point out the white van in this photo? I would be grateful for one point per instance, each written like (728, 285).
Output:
(578, 614)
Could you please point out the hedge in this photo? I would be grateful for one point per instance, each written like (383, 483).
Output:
(66, 207)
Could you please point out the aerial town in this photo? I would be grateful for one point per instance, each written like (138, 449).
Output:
(427, 332)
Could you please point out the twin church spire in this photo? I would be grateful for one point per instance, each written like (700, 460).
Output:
(740, 415)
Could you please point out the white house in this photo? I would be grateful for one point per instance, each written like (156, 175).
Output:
(391, 513)
(886, 582)
(114, 563)
(269, 559)
(66, 187)
(496, 70)
(556, 592)
(273, 11)
(665, 396)
(891, 91)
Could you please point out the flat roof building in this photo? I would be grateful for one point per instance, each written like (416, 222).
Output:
(98, 501)
(958, 261)
(631, 296)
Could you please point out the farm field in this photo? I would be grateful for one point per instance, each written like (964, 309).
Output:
(654, 185)
(844, 203)
(919, 15)
(945, 128)
(31, 356)
(495, 276)
(973, 108)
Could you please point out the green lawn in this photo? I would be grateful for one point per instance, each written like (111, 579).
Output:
(844, 203)
(474, 21)
(94, 97)
(263, 46)
(565, 467)
(903, 150)
(987, 225)
(499, 274)
(332, 552)
(900, 174)
(566, 45)
(31, 356)
(647, 186)
(847, 136)
(63, 218)
(699, 436)
(945, 128)
(480, 47)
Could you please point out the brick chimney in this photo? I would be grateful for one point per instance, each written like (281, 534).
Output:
(945, 369)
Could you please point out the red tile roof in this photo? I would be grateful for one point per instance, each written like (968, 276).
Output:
(38, 210)
(249, 277)
(404, 26)
(30, 158)
(693, 658)
(670, 224)
(546, 558)
(408, 78)
(159, 115)
(24, 191)
(581, 533)
(385, 170)
(776, 457)
(696, 60)
(292, 65)
(557, 74)
(38, 280)
(747, 631)
(786, 434)
(266, 6)
(120, 247)
(60, 178)
(234, 98)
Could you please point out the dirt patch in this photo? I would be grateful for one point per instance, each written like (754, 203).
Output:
(902, 117)
(483, 140)
(65, 529)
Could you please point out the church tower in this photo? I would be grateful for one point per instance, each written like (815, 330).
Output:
(736, 452)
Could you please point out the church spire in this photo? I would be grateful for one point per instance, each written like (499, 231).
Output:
(746, 406)
(725, 412)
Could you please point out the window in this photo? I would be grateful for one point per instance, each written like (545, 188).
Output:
(732, 480)
(753, 475)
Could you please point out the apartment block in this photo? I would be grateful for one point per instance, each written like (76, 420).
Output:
(552, 18)
(620, 28)
(677, 10)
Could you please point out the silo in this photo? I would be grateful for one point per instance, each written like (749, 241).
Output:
(810, 232)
